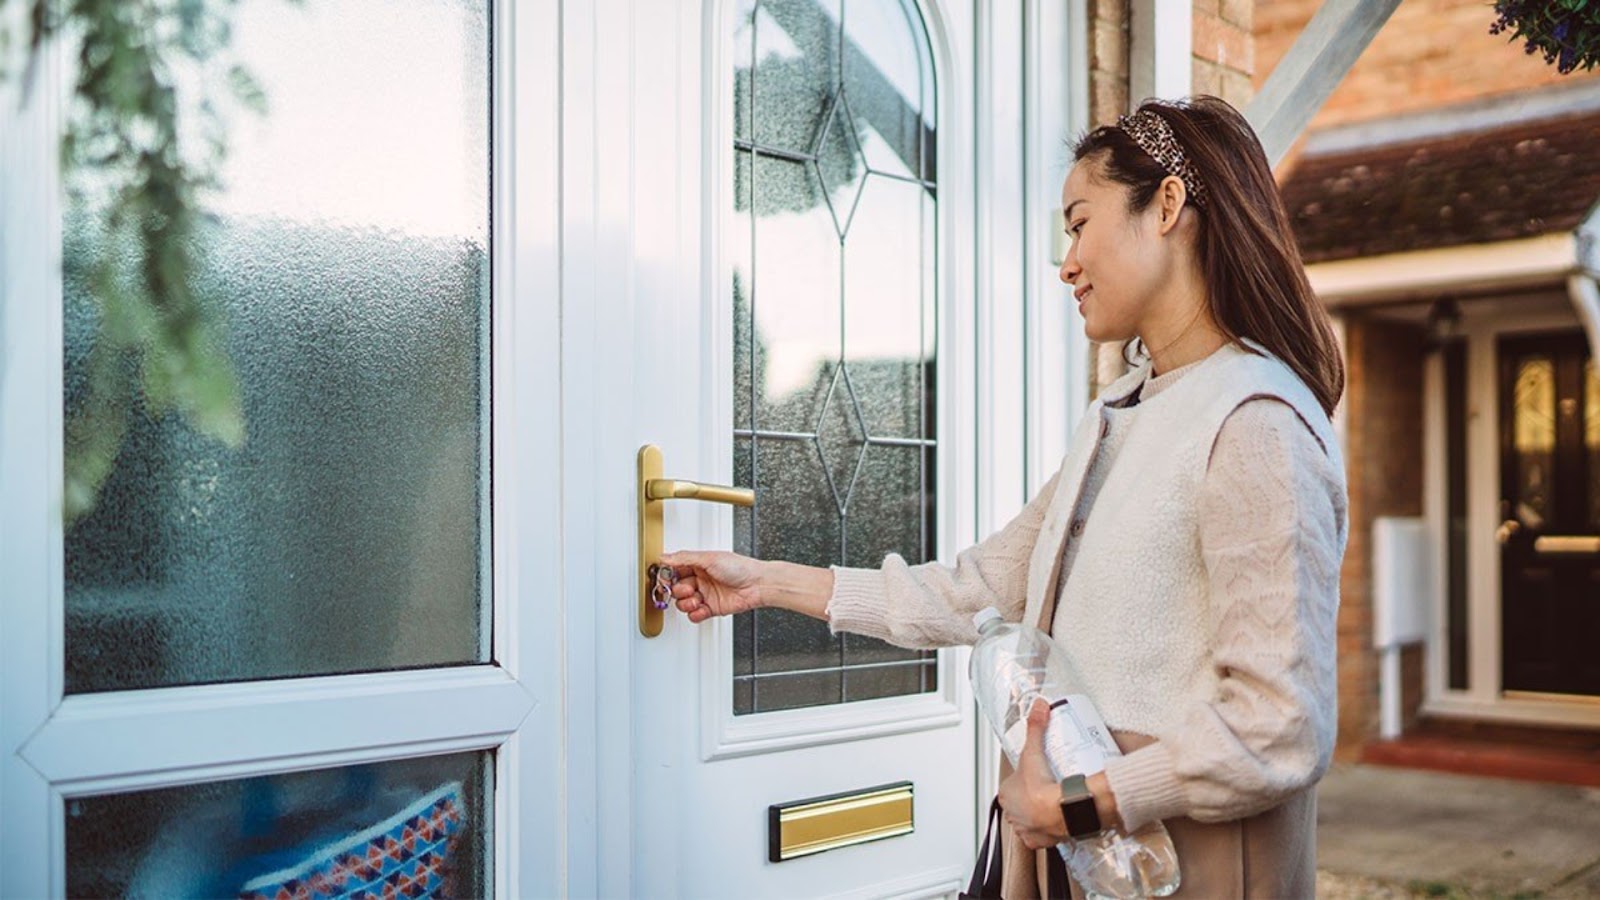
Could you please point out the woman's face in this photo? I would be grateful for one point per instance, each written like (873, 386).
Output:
(1117, 260)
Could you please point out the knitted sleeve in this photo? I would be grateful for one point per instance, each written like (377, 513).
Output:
(931, 605)
(1273, 529)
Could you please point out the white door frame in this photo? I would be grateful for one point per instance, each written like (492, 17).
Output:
(1482, 699)
(54, 747)
(1026, 411)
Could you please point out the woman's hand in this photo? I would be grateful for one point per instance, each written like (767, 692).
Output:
(1031, 796)
(714, 583)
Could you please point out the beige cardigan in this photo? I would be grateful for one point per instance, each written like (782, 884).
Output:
(1250, 779)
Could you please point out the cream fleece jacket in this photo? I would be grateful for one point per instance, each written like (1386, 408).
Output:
(1273, 513)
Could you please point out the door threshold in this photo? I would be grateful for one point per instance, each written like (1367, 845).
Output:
(1488, 758)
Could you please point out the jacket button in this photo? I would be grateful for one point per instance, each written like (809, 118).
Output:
(1077, 528)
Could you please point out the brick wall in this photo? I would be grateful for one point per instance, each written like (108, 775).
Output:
(1430, 53)
(1224, 50)
(1383, 467)
(1108, 60)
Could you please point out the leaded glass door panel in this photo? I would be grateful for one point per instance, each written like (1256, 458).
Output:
(835, 283)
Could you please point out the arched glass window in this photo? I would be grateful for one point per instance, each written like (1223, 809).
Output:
(834, 245)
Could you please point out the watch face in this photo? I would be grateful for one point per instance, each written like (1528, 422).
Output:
(1081, 817)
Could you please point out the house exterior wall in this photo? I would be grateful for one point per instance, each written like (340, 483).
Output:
(1383, 463)
(1224, 50)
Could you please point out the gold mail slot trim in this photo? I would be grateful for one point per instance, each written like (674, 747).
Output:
(804, 827)
(1564, 543)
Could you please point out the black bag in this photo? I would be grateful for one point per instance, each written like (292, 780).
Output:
(988, 875)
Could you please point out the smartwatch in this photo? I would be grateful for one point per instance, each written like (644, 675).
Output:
(1077, 807)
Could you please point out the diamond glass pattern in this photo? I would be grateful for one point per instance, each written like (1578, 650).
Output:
(834, 260)
(841, 438)
(839, 163)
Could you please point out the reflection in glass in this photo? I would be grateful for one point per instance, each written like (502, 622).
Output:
(1533, 422)
(349, 269)
(414, 824)
(834, 256)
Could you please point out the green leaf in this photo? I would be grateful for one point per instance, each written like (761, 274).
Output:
(247, 90)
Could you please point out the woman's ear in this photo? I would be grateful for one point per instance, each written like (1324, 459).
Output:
(1170, 197)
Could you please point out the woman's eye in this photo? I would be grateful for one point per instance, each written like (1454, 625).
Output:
(1075, 228)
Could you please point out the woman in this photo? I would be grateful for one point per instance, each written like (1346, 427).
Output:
(1187, 553)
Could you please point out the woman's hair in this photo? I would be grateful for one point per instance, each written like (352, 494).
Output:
(1255, 281)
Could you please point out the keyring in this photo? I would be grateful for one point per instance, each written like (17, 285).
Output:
(662, 578)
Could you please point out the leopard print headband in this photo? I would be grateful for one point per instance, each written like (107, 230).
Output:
(1154, 136)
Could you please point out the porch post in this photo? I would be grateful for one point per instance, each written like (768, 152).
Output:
(1312, 68)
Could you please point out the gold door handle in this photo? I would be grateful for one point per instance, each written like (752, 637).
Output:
(1567, 543)
(654, 490)
(1506, 530)
(672, 489)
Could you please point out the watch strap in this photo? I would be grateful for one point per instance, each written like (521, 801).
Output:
(1078, 811)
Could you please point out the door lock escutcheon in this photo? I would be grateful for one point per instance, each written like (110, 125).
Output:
(653, 492)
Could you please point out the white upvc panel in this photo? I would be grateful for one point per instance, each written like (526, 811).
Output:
(30, 472)
(530, 583)
(128, 740)
(1160, 49)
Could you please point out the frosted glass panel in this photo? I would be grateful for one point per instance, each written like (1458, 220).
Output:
(349, 271)
(796, 66)
(411, 825)
(833, 245)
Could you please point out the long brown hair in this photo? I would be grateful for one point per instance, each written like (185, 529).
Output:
(1256, 283)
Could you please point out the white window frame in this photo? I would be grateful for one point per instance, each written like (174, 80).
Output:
(54, 747)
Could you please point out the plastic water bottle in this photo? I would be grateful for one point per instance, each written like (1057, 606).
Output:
(1012, 666)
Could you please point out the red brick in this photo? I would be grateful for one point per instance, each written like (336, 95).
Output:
(1223, 43)
(1238, 12)
(1108, 47)
(1205, 77)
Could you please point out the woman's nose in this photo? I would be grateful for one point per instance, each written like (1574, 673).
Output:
(1069, 268)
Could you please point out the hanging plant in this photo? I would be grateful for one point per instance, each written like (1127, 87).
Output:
(157, 349)
(1567, 32)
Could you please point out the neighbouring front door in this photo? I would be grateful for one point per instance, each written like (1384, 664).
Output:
(1550, 514)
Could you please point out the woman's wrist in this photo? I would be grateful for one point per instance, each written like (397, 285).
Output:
(802, 589)
(1105, 802)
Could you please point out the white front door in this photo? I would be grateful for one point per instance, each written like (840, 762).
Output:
(773, 206)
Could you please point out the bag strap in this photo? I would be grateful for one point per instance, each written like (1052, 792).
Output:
(987, 877)
(1059, 885)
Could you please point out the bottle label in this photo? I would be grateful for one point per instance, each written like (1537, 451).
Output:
(1077, 740)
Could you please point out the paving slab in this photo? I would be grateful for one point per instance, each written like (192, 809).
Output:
(1477, 836)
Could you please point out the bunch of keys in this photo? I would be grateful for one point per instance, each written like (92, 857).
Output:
(662, 578)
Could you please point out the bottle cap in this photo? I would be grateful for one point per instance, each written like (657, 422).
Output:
(985, 616)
